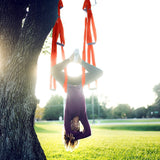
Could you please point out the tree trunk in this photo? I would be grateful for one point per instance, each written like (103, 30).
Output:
(20, 45)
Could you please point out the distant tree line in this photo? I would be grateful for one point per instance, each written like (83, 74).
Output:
(54, 109)
(121, 111)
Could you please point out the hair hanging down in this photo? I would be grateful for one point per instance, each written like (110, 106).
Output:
(70, 142)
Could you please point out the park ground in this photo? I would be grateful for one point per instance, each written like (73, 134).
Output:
(129, 139)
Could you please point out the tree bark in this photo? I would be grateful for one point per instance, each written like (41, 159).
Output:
(20, 46)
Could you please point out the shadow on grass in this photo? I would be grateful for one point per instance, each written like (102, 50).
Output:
(130, 127)
(42, 130)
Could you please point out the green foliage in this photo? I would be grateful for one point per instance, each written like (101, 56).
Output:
(122, 111)
(156, 89)
(154, 109)
(109, 113)
(47, 44)
(103, 144)
(39, 113)
(100, 111)
(54, 108)
(140, 112)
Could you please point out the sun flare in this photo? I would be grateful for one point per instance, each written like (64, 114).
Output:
(74, 69)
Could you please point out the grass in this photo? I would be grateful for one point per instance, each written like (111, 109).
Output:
(108, 142)
(139, 127)
(127, 120)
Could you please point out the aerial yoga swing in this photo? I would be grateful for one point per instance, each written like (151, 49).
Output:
(75, 109)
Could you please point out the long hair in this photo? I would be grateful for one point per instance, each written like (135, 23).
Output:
(70, 142)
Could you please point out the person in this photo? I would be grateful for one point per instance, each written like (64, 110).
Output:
(75, 109)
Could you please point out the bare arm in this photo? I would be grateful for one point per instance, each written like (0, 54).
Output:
(57, 71)
(93, 73)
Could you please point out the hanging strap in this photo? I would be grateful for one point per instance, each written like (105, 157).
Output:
(89, 29)
(57, 32)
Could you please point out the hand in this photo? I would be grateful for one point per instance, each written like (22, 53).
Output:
(77, 58)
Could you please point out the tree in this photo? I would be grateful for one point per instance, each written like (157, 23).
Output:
(140, 112)
(109, 113)
(54, 108)
(24, 26)
(89, 107)
(39, 113)
(100, 111)
(154, 109)
(156, 89)
(122, 111)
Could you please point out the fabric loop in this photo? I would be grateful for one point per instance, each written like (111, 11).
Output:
(89, 29)
(57, 32)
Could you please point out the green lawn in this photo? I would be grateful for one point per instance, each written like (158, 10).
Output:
(112, 142)
(127, 120)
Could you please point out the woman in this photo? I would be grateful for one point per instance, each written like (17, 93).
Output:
(75, 109)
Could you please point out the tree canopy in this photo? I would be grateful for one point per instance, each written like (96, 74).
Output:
(54, 108)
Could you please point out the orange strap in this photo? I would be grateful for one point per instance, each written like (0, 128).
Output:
(57, 31)
(89, 23)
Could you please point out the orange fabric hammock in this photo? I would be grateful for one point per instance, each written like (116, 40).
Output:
(89, 23)
(57, 31)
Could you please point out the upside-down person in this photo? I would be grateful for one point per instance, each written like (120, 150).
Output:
(75, 109)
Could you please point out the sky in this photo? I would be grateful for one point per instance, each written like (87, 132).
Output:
(127, 50)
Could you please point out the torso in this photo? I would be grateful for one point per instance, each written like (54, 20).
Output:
(75, 102)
